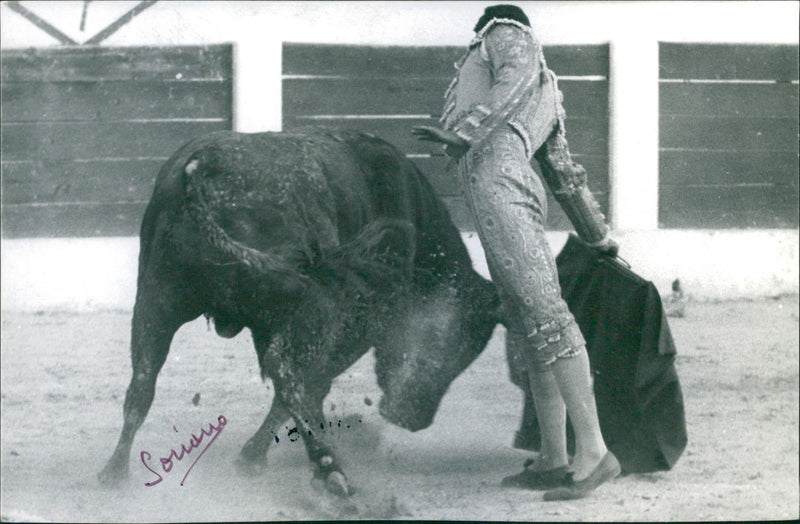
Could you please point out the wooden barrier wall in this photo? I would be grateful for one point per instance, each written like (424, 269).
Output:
(86, 129)
(728, 136)
(388, 90)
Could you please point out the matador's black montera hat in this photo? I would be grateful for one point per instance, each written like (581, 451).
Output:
(502, 11)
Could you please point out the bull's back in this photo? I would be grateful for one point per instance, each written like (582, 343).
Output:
(400, 190)
(332, 182)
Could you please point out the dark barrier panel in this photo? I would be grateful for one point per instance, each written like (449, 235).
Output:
(728, 136)
(85, 130)
(388, 90)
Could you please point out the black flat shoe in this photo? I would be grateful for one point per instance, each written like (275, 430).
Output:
(607, 469)
(537, 480)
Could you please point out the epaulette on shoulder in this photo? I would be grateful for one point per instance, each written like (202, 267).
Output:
(497, 21)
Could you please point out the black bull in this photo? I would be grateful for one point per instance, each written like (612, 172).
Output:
(324, 244)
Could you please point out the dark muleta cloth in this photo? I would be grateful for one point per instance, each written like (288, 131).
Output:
(632, 354)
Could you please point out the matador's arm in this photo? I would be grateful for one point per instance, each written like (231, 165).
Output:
(515, 58)
(567, 181)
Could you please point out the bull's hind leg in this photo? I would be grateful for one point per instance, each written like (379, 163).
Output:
(253, 457)
(161, 308)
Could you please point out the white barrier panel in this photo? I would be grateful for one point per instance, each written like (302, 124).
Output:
(100, 273)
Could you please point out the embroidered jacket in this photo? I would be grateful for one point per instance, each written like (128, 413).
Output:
(503, 79)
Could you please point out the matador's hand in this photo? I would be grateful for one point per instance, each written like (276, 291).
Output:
(443, 136)
(608, 246)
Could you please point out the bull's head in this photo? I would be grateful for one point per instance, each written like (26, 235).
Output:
(432, 344)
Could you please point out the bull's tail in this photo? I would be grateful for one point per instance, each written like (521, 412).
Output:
(380, 255)
(199, 204)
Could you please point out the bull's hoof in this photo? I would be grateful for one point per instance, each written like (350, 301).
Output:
(250, 466)
(112, 475)
(336, 483)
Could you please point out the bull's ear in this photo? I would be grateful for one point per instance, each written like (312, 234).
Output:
(398, 245)
(490, 301)
(390, 249)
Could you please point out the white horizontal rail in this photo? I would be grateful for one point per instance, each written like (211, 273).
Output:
(721, 81)
(78, 203)
(568, 78)
(362, 117)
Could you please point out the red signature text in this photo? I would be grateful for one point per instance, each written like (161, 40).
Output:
(207, 436)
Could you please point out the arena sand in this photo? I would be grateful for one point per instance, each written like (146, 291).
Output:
(64, 377)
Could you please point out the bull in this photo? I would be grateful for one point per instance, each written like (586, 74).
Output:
(324, 243)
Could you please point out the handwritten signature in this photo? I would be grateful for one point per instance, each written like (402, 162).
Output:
(168, 462)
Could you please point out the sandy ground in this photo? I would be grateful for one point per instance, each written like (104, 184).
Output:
(64, 376)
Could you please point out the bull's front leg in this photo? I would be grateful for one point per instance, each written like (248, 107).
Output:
(302, 397)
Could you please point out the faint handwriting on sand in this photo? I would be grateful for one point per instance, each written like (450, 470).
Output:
(195, 441)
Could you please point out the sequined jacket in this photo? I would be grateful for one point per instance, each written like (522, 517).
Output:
(503, 79)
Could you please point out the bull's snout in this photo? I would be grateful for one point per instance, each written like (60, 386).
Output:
(408, 415)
